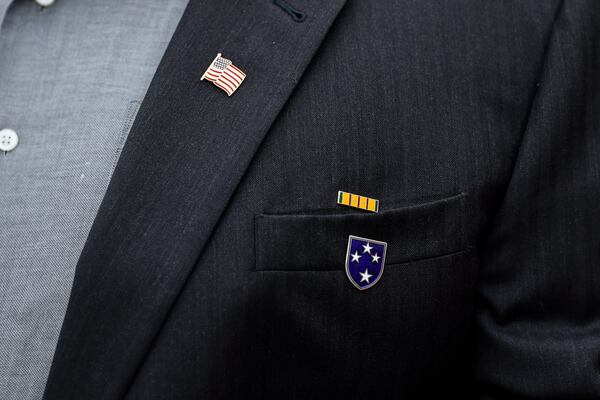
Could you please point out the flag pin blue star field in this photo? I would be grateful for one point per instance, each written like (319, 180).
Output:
(365, 260)
(223, 74)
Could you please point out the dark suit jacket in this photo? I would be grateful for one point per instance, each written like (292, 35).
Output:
(215, 266)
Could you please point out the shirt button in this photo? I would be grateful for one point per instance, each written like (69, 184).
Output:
(44, 3)
(8, 140)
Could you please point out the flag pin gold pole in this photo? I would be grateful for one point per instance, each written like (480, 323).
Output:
(211, 63)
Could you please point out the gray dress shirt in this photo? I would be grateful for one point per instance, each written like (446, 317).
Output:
(72, 76)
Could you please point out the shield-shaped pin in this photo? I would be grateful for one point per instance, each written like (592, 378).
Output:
(365, 259)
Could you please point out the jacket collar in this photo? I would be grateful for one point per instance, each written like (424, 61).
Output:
(186, 153)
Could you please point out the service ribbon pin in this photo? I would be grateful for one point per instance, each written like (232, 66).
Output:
(356, 201)
(224, 74)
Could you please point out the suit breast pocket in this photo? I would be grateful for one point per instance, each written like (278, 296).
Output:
(318, 242)
(414, 322)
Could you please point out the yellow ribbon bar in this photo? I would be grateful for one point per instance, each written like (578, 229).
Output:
(357, 201)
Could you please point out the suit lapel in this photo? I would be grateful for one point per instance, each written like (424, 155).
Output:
(185, 155)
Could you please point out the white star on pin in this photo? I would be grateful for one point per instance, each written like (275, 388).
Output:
(355, 256)
(367, 248)
(365, 276)
(375, 258)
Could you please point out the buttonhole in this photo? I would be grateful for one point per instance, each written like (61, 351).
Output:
(297, 15)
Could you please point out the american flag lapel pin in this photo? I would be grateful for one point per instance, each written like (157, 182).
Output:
(224, 74)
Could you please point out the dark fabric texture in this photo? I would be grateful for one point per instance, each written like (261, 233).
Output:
(190, 284)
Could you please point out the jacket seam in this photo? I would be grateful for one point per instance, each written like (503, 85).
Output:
(532, 103)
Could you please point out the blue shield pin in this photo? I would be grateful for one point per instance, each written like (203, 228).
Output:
(365, 259)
